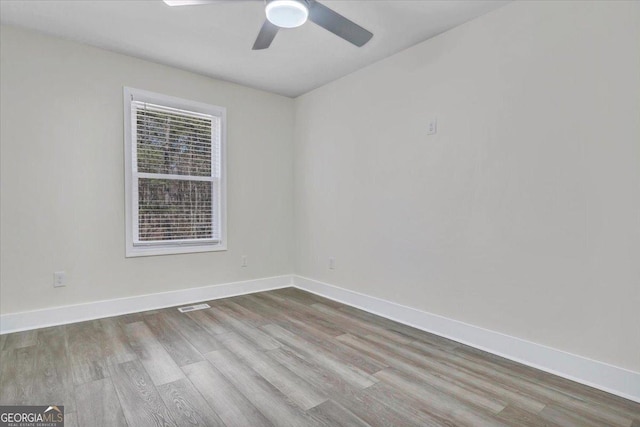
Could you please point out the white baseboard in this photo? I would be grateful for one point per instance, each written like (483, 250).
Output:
(15, 322)
(609, 378)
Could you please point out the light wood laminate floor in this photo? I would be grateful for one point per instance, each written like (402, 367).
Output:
(284, 358)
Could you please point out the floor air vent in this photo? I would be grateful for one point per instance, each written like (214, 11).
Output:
(193, 308)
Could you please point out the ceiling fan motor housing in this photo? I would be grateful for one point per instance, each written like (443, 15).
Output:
(287, 13)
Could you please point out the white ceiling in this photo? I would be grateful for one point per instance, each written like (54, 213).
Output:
(216, 39)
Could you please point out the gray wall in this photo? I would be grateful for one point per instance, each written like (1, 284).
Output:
(522, 214)
(63, 176)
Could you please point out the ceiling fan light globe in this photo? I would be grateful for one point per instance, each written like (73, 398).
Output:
(287, 13)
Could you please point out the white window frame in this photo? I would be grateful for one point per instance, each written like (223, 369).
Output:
(136, 249)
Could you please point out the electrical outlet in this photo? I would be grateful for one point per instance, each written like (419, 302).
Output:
(332, 263)
(244, 261)
(59, 279)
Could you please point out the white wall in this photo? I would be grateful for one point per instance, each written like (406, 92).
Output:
(62, 176)
(522, 215)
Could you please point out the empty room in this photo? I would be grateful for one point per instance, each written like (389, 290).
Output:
(319, 213)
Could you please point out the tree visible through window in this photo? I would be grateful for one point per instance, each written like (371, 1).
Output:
(176, 176)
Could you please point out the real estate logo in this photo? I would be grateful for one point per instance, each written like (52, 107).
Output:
(31, 416)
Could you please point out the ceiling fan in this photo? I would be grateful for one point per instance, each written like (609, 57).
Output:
(294, 13)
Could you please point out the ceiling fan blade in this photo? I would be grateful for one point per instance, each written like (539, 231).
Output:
(338, 24)
(190, 2)
(265, 36)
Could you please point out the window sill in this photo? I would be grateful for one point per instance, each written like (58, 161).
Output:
(138, 251)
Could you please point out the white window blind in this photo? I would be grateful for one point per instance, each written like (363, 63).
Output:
(176, 177)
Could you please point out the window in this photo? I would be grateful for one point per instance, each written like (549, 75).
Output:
(174, 175)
